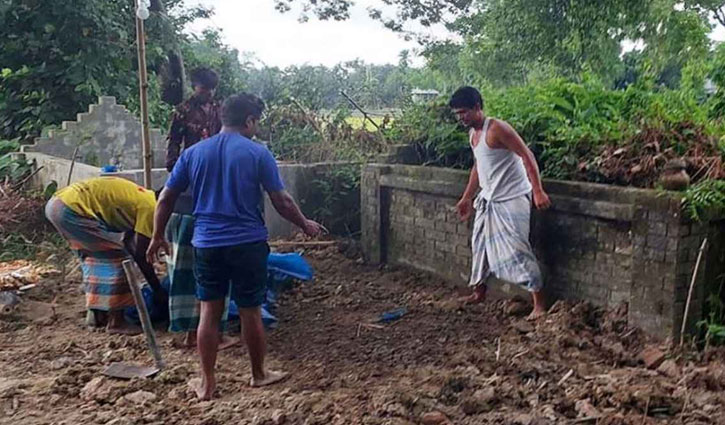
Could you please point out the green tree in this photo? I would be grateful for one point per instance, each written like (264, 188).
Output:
(58, 57)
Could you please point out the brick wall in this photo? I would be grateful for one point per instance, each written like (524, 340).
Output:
(599, 243)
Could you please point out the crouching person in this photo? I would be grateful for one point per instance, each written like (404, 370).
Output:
(107, 220)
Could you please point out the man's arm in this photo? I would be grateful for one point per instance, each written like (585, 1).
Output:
(465, 204)
(288, 209)
(472, 185)
(141, 244)
(164, 208)
(175, 137)
(508, 138)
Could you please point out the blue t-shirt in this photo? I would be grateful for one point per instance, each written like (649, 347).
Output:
(226, 173)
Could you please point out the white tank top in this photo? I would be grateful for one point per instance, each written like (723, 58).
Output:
(501, 172)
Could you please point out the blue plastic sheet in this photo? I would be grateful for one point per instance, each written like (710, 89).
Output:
(156, 312)
(281, 269)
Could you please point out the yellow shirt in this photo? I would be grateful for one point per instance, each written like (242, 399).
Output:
(121, 204)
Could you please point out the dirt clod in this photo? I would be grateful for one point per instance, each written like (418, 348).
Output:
(652, 357)
(434, 418)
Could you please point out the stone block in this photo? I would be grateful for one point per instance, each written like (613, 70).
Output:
(658, 243)
(657, 228)
(652, 254)
(435, 235)
(621, 274)
(445, 247)
(639, 240)
(424, 223)
(463, 229)
(603, 269)
(618, 297)
(463, 251)
(445, 227)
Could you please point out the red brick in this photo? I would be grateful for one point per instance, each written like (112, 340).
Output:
(652, 357)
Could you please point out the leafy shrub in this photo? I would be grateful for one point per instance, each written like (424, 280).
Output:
(703, 198)
(297, 135)
(584, 130)
(11, 169)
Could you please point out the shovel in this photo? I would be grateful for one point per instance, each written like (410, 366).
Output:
(126, 370)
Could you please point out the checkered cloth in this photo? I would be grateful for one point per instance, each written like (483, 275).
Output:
(501, 243)
(101, 251)
(183, 304)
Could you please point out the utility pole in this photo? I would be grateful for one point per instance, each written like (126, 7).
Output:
(142, 13)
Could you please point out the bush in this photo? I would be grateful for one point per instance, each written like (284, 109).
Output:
(302, 136)
(584, 130)
(11, 170)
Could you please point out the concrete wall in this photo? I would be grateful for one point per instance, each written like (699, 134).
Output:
(57, 169)
(318, 189)
(106, 134)
(598, 243)
(158, 176)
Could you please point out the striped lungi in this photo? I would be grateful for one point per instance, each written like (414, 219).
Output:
(501, 244)
(101, 252)
(184, 307)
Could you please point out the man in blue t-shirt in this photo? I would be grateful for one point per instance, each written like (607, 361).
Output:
(226, 174)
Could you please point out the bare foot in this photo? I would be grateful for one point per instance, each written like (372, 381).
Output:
(539, 302)
(270, 377)
(124, 329)
(204, 390)
(536, 314)
(477, 296)
(96, 318)
(190, 340)
(186, 342)
(228, 342)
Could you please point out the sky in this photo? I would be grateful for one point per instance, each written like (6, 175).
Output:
(281, 40)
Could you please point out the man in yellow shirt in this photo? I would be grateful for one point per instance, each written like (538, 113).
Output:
(107, 220)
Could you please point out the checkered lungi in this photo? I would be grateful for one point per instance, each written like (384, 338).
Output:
(101, 251)
(184, 307)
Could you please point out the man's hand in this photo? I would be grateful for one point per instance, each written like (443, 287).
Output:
(157, 244)
(541, 199)
(464, 207)
(313, 228)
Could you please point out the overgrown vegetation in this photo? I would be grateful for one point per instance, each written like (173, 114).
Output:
(12, 170)
(336, 191)
(584, 130)
(704, 198)
(713, 325)
(297, 135)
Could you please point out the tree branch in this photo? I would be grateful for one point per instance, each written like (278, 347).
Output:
(719, 15)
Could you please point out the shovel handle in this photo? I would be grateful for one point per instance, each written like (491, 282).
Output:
(130, 268)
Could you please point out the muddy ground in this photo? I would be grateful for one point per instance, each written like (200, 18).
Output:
(480, 365)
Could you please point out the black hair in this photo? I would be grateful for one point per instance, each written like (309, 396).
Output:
(466, 97)
(237, 108)
(204, 77)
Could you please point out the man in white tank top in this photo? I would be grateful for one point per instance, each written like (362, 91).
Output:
(506, 176)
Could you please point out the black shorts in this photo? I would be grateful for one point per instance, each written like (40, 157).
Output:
(243, 266)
